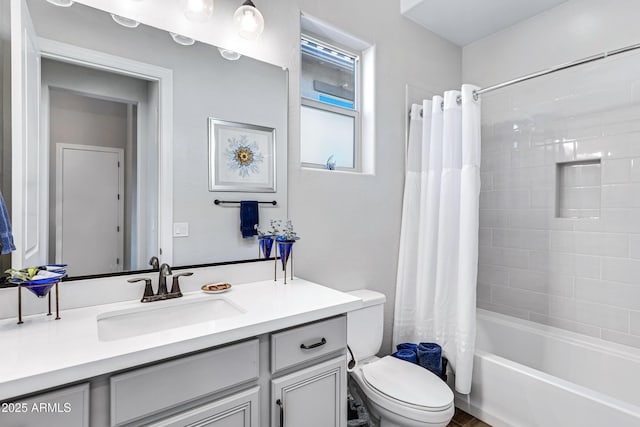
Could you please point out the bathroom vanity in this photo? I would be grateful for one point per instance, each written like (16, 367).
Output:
(261, 354)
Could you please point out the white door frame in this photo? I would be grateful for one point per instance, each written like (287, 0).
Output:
(60, 147)
(30, 238)
(164, 77)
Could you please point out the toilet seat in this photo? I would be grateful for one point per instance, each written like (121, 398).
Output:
(408, 385)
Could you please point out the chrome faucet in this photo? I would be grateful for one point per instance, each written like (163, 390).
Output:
(165, 271)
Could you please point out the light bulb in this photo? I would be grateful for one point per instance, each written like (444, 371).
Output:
(182, 40)
(125, 22)
(198, 10)
(61, 3)
(249, 21)
(229, 55)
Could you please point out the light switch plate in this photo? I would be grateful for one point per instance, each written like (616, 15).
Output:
(180, 229)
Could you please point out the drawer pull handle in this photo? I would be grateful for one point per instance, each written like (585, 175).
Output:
(309, 347)
(279, 403)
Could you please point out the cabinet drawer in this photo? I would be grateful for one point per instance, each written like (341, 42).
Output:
(240, 409)
(67, 407)
(308, 342)
(146, 391)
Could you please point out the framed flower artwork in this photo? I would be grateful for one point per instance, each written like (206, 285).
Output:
(241, 157)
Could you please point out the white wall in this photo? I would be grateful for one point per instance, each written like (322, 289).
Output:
(575, 273)
(573, 30)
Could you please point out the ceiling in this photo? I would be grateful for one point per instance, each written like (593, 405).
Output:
(465, 21)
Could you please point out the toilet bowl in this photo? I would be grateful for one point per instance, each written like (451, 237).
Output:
(402, 394)
(397, 393)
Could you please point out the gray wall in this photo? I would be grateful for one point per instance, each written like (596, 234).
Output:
(77, 119)
(205, 85)
(579, 274)
(349, 223)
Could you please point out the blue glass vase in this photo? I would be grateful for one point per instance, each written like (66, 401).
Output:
(285, 247)
(41, 288)
(266, 244)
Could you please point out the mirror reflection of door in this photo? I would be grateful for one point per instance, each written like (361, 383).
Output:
(89, 207)
(97, 171)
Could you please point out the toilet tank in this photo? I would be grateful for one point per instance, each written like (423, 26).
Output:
(365, 325)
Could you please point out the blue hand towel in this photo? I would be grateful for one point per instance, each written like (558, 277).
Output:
(407, 355)
(430, 357)
(6, 236)
(248, 218)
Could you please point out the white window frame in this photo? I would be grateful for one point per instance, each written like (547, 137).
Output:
(355, 112)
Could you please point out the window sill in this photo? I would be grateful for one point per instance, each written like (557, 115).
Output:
(335, 171)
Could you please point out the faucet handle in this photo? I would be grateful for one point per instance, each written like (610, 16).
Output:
(148, 289)
(175, 285)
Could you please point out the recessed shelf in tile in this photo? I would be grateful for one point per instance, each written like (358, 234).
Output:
(578, 188)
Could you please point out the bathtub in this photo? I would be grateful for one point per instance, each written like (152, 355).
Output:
(527, 374)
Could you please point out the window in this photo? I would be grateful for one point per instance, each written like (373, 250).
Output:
(330, 106)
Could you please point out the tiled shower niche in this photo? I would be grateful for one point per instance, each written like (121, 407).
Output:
(578, 189)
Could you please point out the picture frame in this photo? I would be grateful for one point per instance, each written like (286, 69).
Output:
(241, 157)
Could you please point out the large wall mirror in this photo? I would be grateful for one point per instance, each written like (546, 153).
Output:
(113, 146)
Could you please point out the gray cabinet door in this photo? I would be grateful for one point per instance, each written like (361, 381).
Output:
(67, 407)
(311, 397)
(238, 410)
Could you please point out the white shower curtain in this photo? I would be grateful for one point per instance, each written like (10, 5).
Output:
(438, 258)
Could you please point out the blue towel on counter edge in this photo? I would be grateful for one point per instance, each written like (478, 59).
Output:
(406, 355)
(6, 236)
(430, 357)
(249, 218)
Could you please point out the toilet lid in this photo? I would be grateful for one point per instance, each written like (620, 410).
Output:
(408, 383)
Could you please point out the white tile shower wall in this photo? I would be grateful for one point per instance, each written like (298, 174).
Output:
(566, 256)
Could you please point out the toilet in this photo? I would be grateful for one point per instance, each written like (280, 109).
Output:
(396, 392)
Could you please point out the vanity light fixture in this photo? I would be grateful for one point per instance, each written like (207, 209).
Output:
(249, 21)
(125, 22)
(230, 55)
(61, 3)
(182, 40)
(198, 10)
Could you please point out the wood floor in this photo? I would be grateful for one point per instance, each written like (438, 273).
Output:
(462, 419)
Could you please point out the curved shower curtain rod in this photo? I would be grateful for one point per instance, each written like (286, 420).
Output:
(560, 67)
(565, 66)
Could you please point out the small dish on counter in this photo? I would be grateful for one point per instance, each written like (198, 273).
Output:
(216, 288)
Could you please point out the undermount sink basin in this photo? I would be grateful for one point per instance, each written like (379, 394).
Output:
(163, 315)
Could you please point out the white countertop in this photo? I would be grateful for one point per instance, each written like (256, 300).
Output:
(44, 353)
